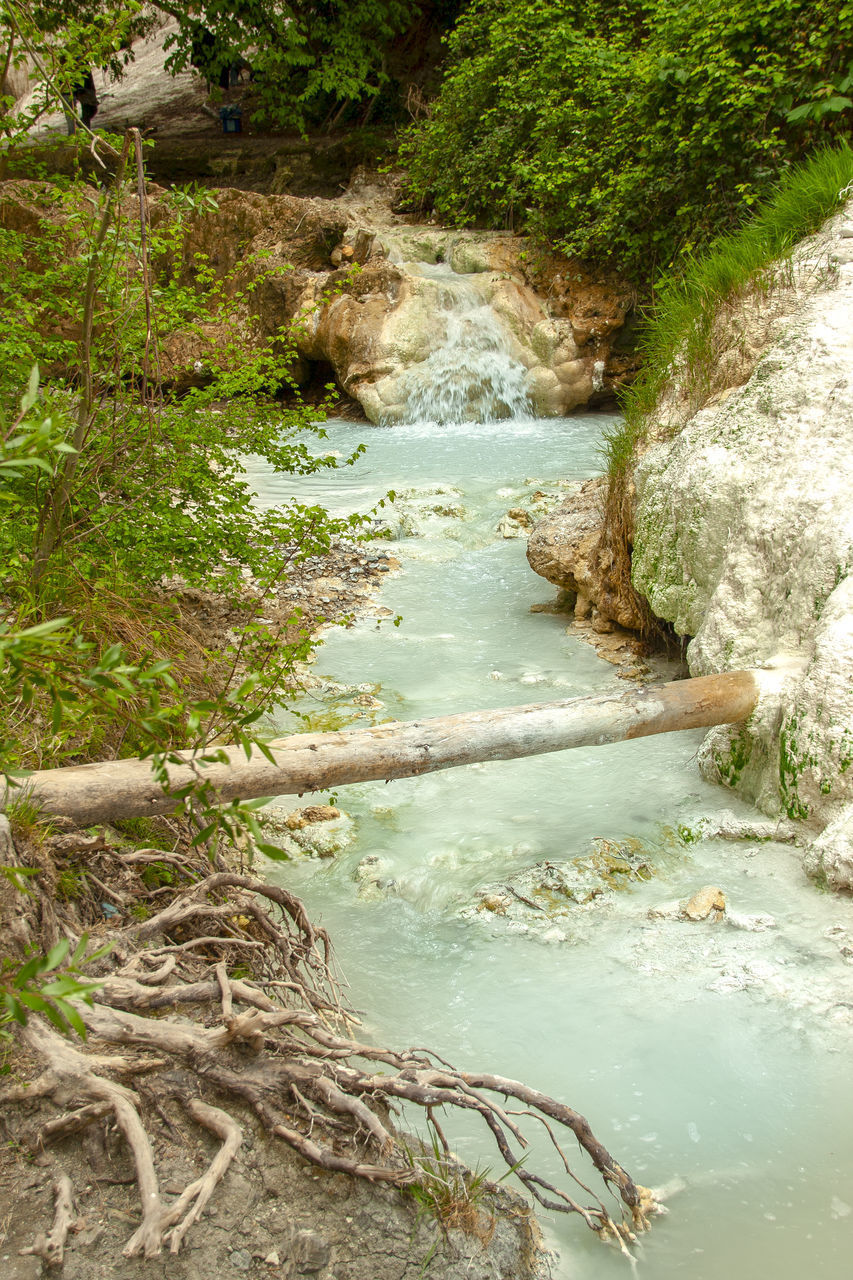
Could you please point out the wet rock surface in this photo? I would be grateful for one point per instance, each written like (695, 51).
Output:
(708, 903)
(318, 831)
(744, 541)
(543, 899)
(566, 548)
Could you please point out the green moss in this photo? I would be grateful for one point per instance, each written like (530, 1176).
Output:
(70, 884)
(731, 764)
(794, 759)
(845, 751)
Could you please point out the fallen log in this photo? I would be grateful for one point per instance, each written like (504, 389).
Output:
(306, 762)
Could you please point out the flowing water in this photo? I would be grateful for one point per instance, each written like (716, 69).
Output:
(712, 1057)
(469, 375)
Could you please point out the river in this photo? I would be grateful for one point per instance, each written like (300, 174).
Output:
(709, 1057)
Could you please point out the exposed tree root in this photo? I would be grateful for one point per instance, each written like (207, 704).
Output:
(51, 1247)
(193, 1199)
(283, 1045)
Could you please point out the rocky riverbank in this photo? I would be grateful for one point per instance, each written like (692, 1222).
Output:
(743, 540)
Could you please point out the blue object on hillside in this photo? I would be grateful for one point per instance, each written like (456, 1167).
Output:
(232, 119)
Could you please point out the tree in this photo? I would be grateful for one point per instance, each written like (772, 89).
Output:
(124, 486)
(311, 61)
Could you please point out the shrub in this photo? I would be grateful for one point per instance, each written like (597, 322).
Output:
(628, 133)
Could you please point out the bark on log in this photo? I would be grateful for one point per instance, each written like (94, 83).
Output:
(320, 761)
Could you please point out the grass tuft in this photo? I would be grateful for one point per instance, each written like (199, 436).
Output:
(682, 331)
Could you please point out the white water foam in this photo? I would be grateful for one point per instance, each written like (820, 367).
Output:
(471, 374)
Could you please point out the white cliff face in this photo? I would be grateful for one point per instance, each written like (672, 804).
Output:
(744, 541)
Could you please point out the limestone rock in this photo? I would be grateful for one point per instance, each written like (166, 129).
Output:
(542, 898)
(829, 858)
(515, 524)
(373, 877)
(744, 541)
(708, 903)
(311, 813)
(317, 831)
(756, 922)
(566, 548)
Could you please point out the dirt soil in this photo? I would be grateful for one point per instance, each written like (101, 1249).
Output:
(273, 1215)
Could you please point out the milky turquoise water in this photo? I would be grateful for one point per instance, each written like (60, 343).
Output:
(707, 1055)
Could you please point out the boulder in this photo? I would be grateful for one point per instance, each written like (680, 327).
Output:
(567, 548)
(708, 903)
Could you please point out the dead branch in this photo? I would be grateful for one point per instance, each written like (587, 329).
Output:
(317, 762)
(73, 1122)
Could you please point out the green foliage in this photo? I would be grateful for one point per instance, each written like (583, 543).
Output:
(108, 487)
(444, 1189)
(47, 984)
(628, 133)
(62, 41)
(680, 337)
(312, 61)
(306, 57)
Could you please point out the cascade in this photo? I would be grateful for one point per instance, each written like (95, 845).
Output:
(471, 374)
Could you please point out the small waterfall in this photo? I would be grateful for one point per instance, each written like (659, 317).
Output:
(471, 376)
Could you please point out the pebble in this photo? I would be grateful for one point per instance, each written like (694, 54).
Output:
(241, 1259)
(708, 903)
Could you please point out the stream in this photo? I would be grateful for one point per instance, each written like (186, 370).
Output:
(713, 1058)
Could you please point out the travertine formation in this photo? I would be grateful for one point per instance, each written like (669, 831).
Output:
(743, 541)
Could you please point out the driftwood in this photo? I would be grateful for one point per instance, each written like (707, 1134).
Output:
(317, 762)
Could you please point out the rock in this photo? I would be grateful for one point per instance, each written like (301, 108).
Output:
(509, 527)
(494, 902)
(326, 832)
(743, 540)
(829, 858)
(665, 911)
(707, 903)
(311, 1252)
(750, 923)
(726, 825)
(373, 877)
(540, 896)
(311, 813)
(566, 548)
(241, 1259)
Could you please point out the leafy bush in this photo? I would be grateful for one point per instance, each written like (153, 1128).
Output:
(628, 133)
(47, 984)
(111, 491)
